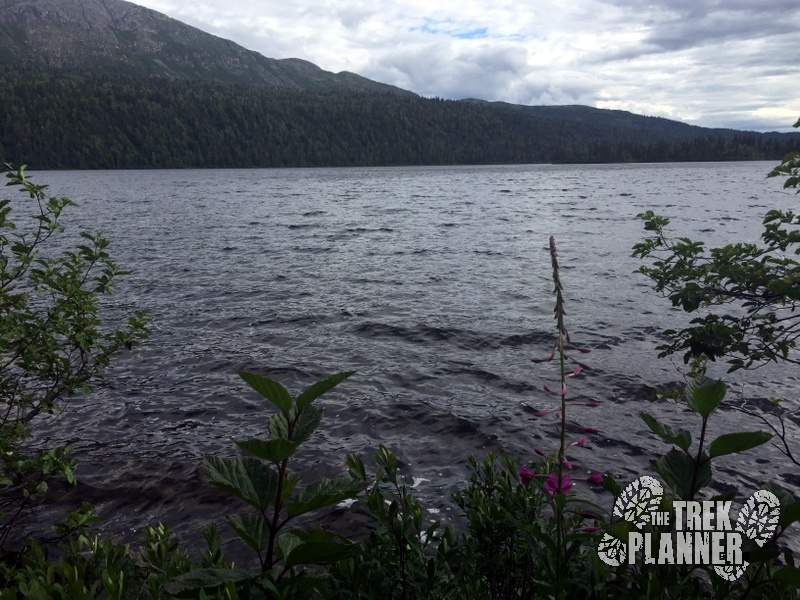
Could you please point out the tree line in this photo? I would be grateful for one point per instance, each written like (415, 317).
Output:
(62, 120)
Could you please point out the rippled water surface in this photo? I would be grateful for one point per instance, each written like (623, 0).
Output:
(433, 283)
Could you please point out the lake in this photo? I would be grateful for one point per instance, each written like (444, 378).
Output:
(434, 284)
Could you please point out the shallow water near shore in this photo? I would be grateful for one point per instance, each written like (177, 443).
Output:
(434, 284)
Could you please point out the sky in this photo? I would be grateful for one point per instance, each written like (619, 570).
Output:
(714, 63)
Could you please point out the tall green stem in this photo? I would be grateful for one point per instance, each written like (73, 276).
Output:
(698, 461)
(559, 315)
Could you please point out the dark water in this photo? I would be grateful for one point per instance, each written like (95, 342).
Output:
(433, 283)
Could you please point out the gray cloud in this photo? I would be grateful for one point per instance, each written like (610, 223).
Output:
(699, 61)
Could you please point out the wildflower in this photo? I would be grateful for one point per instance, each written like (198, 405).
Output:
(595, 479)
(582, 365)
(525, 475)
(550, 390)
(554, 485)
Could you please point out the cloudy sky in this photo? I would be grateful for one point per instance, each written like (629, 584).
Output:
(715, 63)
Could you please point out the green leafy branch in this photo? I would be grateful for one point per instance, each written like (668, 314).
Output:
(685, 471)
(261, 479)
(790, 168)
(52, 341)
(762, 283)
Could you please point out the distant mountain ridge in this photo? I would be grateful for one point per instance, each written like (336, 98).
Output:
(619, 120)
(121, 38)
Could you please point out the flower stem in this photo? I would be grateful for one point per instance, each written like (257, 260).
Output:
(559, 315)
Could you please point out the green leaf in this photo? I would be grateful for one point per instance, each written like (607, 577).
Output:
(252, 528)
(611, 485)
(754, 554)
(681, 437)
(320, 553)
(677, 469)
(307, 423)
(704, 395)
(317, 535)
(204, 579)
(731, 443)
(286, 543)
(246, 478)
(290, 481)
(270, 389)
(783, 495)
(321, 493)
(789, 575)
(274, 451)
(789, 514)
(278, 426)
(316, 390)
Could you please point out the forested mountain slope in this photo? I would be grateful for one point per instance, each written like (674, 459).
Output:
(59, 120)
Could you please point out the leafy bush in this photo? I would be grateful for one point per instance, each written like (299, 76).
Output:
(262, 480)
(762, 283)
(402, 557)
(52, 341)
(688, 473)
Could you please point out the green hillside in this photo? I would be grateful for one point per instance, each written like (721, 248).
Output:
(58, 120)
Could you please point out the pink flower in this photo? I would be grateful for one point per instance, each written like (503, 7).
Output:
(525, 475)
(595, 479)
(556, 486)
(579, 442)
(590, 403)
(539, 452)
(543, 413)
(550, 390)
(577, 371)
(567, 464)
(543, 358)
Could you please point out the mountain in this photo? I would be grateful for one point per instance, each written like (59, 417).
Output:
(623, 123)
(109, 84)
(120, 38)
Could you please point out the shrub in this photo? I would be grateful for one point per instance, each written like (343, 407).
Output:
(52, 341)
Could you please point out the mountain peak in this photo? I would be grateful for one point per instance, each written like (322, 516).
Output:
(118, 37)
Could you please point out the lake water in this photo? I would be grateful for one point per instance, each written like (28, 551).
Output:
(433, 283)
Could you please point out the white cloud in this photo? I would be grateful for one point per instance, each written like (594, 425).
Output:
(709, 62)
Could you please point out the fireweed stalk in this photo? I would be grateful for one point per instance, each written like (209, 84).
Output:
(563, 342)
(558, 483)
